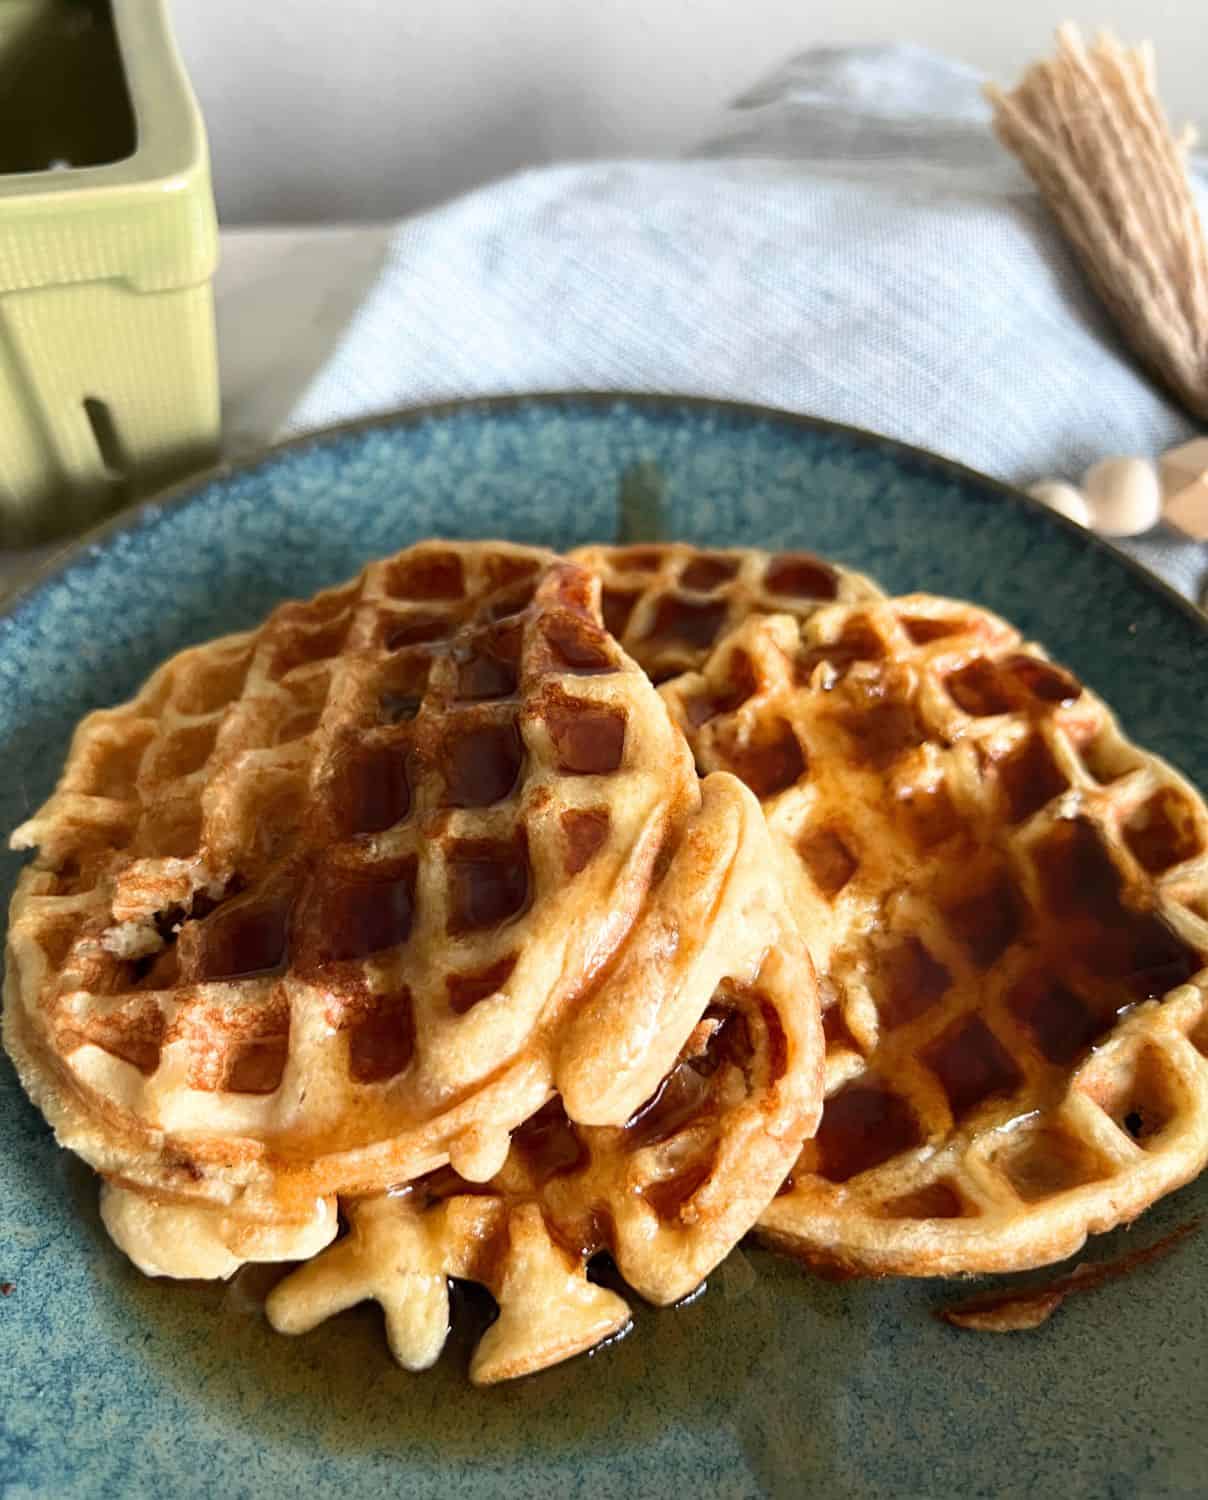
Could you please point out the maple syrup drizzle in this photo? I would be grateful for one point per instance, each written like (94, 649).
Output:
(988, 921)
(863, 1125)
(419, 630)
(937, 1200)
(618, 606)
(585, 830)
(857, 641)
(370, 790)
(1162, 832)
(668, 1195)
(482, 763)
(1062, 1024)
(705, 573)
(504, 570)
(296, 647)
(1041, 680)
(907, 981)
(360, 917)
(681, 1097)
(579, 647)
(923, 631)
(741, 684)
(487, 674)
(835, 1029)
(930, 815)
(637, 560)
(769, 759)
(511, 604)
(1030, 778)
(1077, 873)
(187, 750)
(381, 1037)
(971, 1064)
(882, 731)
(978, 690)
(466, 990)
(1012, 1309)
(829, 860)
(245, 937)
(398, 708)
(256, 1066)
(490, 882)
(588, 740)
(801, 575)
(433, 575)
(549, 1144)
(688, 622)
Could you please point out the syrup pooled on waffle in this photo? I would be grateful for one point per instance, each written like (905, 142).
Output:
(1008, 906)
(323, 907)
(669, 603)
(668, 1193)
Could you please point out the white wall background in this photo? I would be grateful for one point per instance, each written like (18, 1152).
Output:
(368, 109)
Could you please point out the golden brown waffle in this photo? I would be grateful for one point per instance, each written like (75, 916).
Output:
(333, 902)
(669, 603)
(1008, 906)
(668, 1193)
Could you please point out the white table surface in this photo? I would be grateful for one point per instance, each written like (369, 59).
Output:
(282, 298)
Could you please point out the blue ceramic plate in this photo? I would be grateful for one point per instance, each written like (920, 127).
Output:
(771, 1382)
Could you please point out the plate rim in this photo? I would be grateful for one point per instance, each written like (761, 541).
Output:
(190, 487)
(129, 520)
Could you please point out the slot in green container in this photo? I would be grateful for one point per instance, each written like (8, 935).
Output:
(108, 243)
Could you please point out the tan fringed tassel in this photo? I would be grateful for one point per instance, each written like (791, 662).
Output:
(1088, 127)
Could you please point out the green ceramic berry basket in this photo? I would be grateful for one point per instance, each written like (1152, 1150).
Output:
(108, 242)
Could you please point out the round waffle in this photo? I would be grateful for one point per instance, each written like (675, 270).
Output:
(1008, 906)
(331, 903)
(668, 1193)
(669, 603)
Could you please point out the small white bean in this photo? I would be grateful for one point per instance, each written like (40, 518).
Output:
(1065, 499)
(1124, 496)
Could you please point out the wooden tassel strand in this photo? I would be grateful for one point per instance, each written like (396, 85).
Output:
(1089, 129)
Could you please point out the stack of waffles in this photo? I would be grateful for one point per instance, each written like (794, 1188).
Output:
(499, 910)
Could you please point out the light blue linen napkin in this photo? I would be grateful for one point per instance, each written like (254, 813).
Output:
(854, 244)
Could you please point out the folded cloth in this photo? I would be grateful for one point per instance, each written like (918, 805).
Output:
(854, 244)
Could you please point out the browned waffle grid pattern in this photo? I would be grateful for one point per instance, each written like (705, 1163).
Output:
(352, 848)
(670, 603)
(1009, 907)
(667, 1194)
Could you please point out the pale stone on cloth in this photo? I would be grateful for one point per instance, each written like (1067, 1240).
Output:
(1123, 496)
(1187, 511)
(1184, 472)
(1183, 465)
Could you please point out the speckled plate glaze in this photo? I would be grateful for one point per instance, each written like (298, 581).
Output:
(770, 1382)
